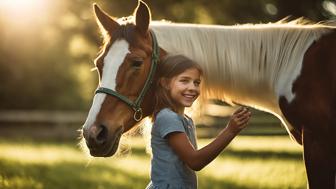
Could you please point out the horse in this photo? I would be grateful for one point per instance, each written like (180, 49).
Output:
(285, 68)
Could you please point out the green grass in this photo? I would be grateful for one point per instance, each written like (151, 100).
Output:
(269, 162)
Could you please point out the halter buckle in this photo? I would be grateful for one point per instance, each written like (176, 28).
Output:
(137, 114)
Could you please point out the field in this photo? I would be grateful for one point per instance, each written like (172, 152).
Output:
(250, 162)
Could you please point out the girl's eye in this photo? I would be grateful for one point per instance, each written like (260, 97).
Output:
(137, 63)
(197, 83)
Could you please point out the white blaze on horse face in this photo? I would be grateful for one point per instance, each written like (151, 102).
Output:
(112, 61)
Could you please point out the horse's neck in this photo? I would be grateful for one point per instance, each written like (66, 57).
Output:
(249, 64)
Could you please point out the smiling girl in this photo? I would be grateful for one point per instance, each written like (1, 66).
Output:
(173, 140)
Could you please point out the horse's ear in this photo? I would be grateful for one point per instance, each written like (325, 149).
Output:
(142, 17)
(104, 21)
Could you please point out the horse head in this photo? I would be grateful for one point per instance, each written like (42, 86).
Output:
(126, 68)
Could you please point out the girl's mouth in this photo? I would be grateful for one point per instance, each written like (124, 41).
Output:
(189, 96)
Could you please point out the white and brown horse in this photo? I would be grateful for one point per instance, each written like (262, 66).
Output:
(287, 69)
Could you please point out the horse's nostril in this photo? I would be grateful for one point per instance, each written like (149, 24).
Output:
(101, 134)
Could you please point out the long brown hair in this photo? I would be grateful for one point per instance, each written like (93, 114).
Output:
(170, 67)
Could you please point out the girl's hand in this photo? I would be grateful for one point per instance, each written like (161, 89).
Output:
(239, 120)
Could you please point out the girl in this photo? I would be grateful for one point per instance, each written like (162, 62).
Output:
(175, 155)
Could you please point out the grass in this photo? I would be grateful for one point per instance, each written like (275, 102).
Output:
(268, 162)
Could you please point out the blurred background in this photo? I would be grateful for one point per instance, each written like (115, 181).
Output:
(47, 49)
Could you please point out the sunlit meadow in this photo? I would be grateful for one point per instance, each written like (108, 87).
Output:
(249, 162)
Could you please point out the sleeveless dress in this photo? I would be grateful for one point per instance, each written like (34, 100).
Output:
(167, 170)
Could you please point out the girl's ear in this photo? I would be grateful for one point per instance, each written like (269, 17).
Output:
(164, 82)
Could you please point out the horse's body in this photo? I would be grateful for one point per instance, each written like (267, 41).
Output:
(286, 69)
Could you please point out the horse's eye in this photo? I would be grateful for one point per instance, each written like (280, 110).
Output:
(137, 63)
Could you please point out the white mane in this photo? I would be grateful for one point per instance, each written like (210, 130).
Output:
(249, 64)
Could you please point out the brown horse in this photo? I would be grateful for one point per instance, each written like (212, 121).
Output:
(286, 69)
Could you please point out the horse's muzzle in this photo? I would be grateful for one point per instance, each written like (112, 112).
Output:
(100, 141)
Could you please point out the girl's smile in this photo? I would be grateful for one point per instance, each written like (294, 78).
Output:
(185, 88)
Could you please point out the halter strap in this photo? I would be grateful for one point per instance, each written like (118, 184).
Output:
(136, 105)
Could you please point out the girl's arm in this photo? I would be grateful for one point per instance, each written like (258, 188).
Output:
(198, 159)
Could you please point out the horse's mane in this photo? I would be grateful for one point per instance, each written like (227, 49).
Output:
(251, 64)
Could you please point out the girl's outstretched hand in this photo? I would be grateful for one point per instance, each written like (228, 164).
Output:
(239, 120)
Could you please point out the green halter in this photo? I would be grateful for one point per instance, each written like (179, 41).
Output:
(136, 105)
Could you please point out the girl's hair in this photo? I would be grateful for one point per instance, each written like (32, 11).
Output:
(170, 67)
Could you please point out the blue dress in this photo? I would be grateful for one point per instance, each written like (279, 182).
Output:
(167, 170)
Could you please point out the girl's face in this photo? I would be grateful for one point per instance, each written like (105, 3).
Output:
(185, 88)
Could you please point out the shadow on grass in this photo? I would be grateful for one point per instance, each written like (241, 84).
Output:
(265, 154)
(243, 154)
(72, 175)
